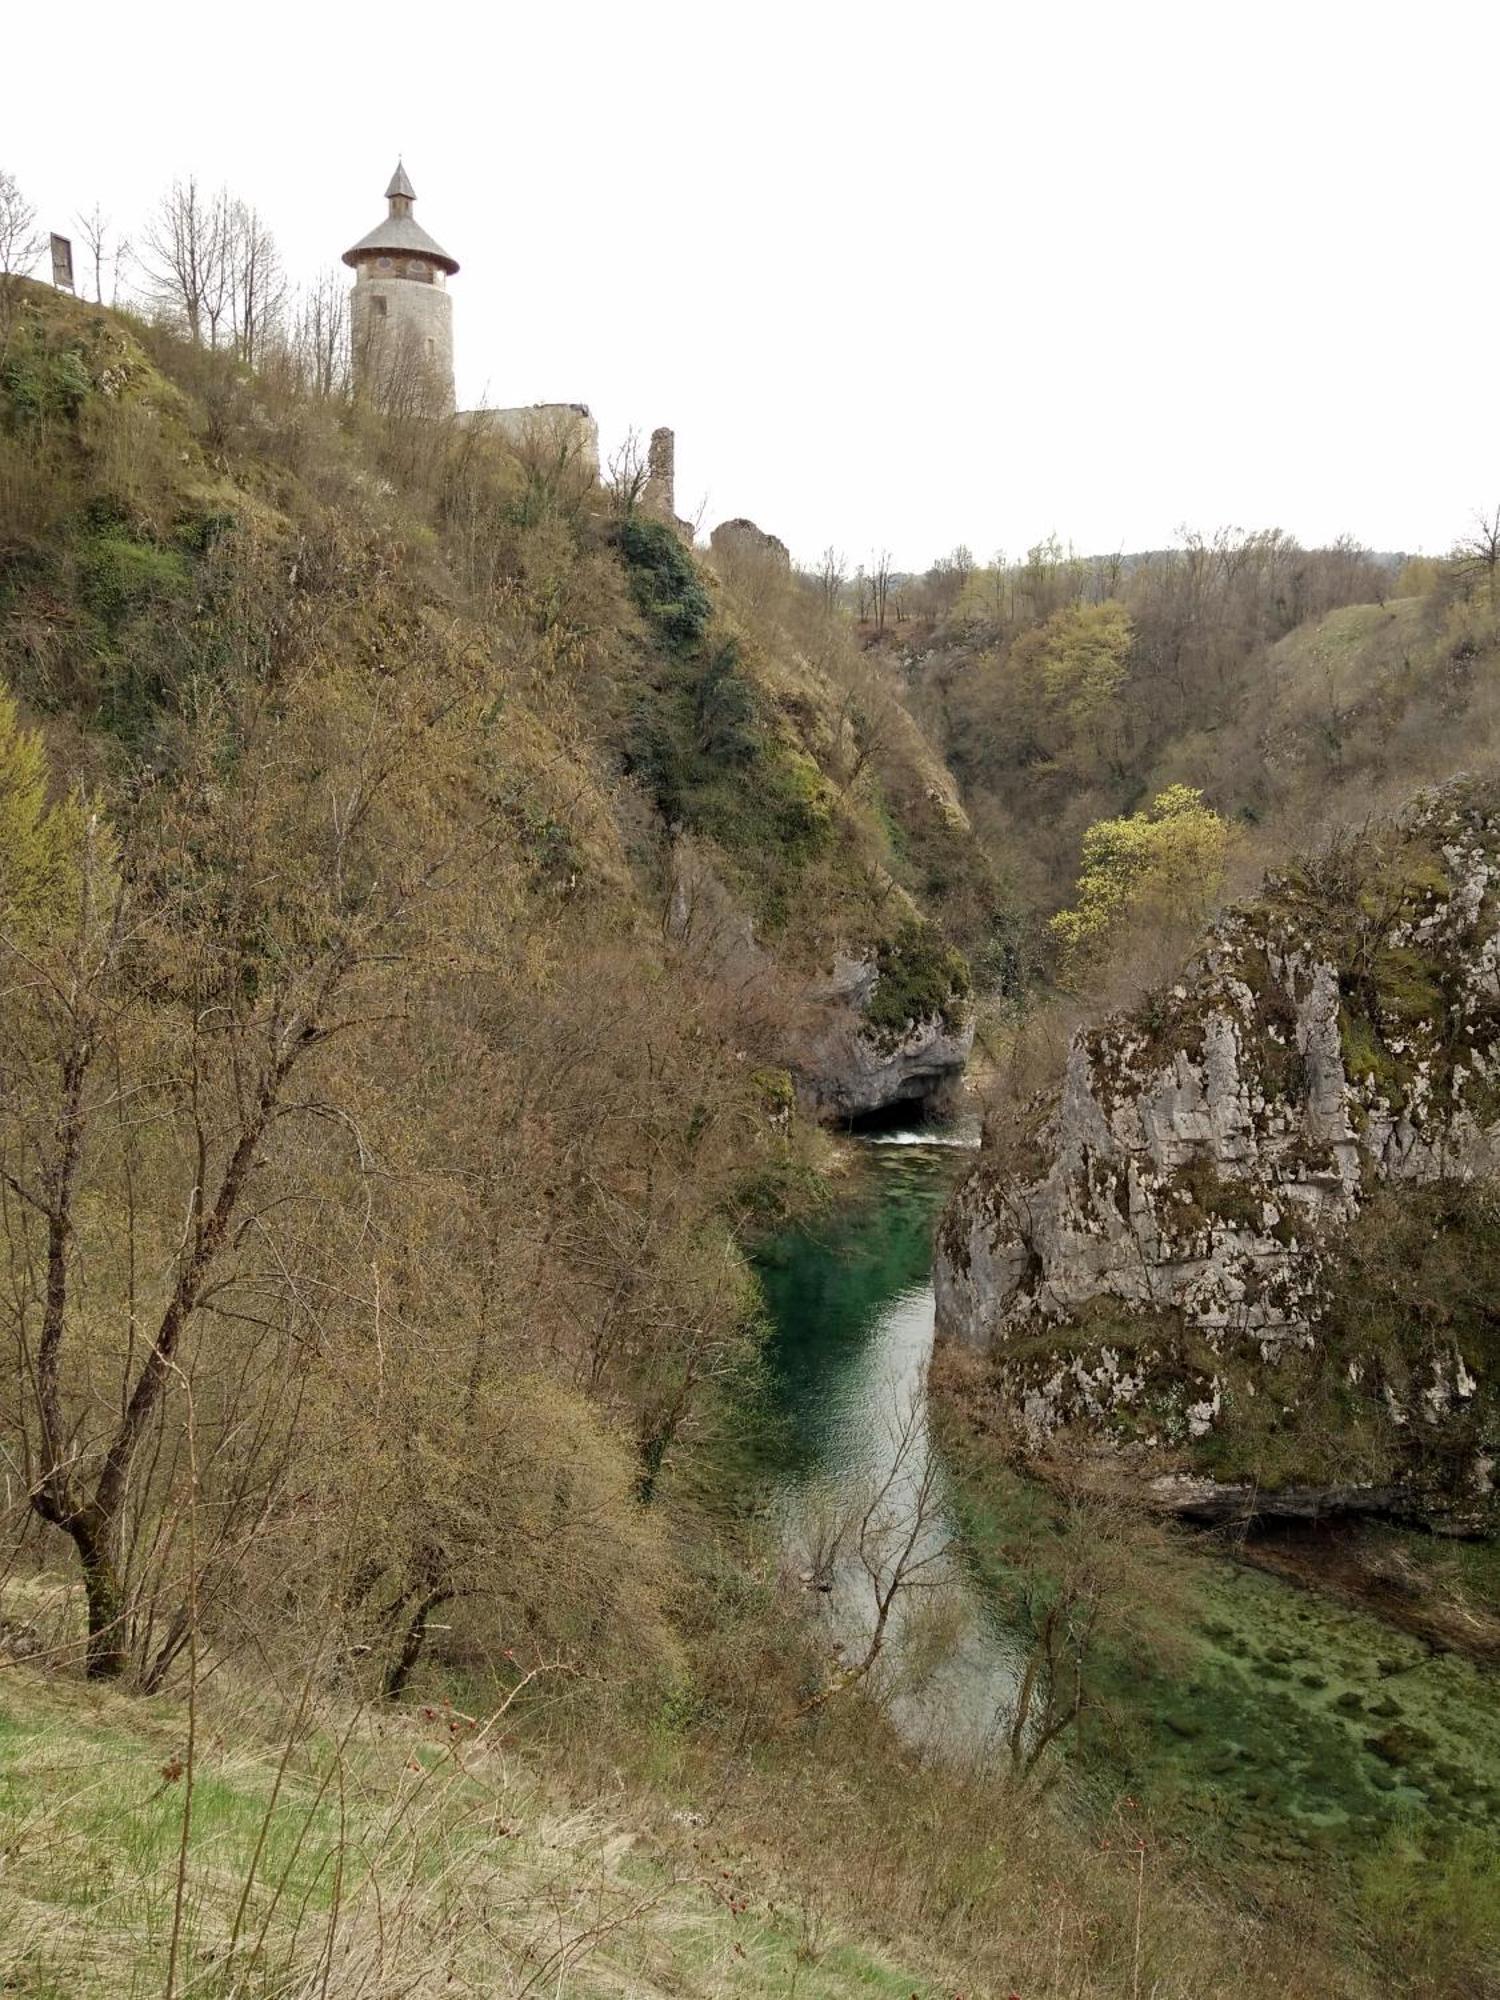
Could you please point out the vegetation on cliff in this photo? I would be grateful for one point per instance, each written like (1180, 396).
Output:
(350, 1073)
(376, 1165)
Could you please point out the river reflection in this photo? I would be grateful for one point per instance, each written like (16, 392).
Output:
(859, 1489)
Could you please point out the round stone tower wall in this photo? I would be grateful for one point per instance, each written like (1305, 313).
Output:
(401, 336)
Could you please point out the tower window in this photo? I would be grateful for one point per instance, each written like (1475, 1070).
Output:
(378, 302)
(384, 263)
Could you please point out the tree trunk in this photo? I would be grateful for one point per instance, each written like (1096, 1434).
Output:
(400, 1670)
(105, 1658)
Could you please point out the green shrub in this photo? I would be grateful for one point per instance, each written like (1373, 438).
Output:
(707, 748)
(666, 582)
(729, 728)
(919, 978)
(40, 385)
(121, 576)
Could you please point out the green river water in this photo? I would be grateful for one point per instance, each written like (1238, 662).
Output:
(1287, 1727)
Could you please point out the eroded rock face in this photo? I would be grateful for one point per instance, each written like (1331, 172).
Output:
(1199, 1174)
(845, 1070)
(848, 1072)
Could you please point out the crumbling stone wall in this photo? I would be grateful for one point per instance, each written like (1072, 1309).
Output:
(550, 427)
(740, 539)
(659, 495)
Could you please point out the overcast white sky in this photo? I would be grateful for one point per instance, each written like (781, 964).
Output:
(898, 276)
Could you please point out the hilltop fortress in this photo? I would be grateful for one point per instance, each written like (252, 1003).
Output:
(401, 339)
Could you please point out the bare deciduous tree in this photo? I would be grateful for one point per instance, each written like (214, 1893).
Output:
(881, 575)
(891, 1540)
(869, 719)
(20, 246)
(106, 249)
(256, 280)
(1097, 1573)
(20, 239)
(186, 262)
(1478, 553)
(1052, 1690)
(320, 336)
(628, 473)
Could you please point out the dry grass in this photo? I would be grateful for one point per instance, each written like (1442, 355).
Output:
(306, 1847)
(349, 1854)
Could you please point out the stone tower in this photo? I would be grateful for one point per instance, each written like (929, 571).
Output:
(659, 494)
(400, 312)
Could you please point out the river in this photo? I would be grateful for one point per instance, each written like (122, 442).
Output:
(1285, 1725)
(852, 1306)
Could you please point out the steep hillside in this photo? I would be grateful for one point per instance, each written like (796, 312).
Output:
(169, 523)
(374, 757)
(1243, 1260)
(427, 888)
(1350, 713)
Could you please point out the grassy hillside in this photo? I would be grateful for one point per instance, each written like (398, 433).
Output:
(244, 1842)
(369, 1855)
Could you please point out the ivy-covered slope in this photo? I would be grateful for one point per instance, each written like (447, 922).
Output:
(1245, 1257)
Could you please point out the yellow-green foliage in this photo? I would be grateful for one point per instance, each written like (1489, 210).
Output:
(1060, 686)
(1077, 660)
(39, 844)
(1167, 859)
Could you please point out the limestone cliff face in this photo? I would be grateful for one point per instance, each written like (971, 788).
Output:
(850, 1070)
(1198, 1274)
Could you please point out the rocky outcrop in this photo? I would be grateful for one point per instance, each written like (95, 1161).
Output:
(1170, 1276)
(887, 1028)
(848, 1070)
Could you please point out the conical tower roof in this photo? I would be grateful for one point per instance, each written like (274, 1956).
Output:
(400, 235)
